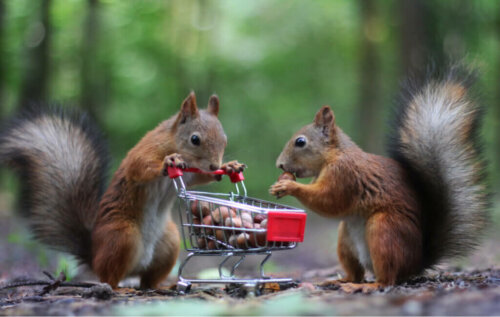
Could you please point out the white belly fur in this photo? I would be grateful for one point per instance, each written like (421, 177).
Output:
(356, 228)
(161, 195)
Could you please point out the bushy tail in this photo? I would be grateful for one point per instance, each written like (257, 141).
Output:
(62, 162)
(436, 139)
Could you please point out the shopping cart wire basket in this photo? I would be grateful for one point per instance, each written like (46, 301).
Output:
(233, 225)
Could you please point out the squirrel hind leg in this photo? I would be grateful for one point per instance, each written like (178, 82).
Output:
(164, 258)
(395, 248)
(115, 251)
(354, 270)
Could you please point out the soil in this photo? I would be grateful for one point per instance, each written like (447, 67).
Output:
(449, 290)
(437, 293)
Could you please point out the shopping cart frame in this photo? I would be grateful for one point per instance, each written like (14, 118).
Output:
(241, 203)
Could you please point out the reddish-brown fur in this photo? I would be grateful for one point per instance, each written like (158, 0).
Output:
(121, 207)
(116, 237)
(164, 259)
(373, 189)
(403, 214)
(353, 186)
(355, 272)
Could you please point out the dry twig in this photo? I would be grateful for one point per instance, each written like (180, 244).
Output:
(49, 285)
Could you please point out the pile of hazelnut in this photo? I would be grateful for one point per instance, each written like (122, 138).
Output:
(233, 220)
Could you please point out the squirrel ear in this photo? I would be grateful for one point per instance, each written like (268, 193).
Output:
(188, 108)
(213, 105)
(325, 119)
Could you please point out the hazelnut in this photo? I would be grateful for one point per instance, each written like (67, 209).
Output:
(286, 175)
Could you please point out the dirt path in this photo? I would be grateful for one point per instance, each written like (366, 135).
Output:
(438, 293)
(444, 292)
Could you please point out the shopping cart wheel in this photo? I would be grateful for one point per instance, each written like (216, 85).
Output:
(183, 287)
(287, 285)
(252, 289)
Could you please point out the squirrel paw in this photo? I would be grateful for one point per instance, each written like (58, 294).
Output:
(233, 166)
(282, 188)
(349, 287)
(173, 160)
(365, 288)
(125, 290)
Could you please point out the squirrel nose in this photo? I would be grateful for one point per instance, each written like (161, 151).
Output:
(214, 167)
(281, 166)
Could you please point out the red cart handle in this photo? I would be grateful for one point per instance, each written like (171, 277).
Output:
(174, 172)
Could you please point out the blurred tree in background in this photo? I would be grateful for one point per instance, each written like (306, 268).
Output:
(273, 64)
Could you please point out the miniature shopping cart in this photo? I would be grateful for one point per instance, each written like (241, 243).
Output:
(233, 225)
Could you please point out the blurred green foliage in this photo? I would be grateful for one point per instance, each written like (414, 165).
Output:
(67, 265)
(24, 240)
(273, 64)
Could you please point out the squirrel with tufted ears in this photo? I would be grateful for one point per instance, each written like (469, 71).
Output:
(403, 214)
(126, 230)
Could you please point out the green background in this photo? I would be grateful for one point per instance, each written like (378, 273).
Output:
(272, 63)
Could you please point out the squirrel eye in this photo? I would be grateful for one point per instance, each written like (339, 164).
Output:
(195, 139)
(300, 141)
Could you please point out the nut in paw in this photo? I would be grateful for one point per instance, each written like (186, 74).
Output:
(282, 188)
(233, 166)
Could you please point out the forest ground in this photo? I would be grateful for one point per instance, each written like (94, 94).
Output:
(473, 289)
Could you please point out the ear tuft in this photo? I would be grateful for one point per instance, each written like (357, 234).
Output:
(324, 116)
(189, 108)
(213, 105)
(325, 120)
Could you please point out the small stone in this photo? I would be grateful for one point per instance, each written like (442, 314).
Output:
(99, 291)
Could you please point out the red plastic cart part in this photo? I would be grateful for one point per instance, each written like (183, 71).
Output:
(286, 226)
(174, 172)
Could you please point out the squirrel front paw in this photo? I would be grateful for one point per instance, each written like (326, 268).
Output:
(282, 188)
(233, 166)
(173, 160)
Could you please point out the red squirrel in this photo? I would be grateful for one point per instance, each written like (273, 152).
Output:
(126, 230)
(400, 214)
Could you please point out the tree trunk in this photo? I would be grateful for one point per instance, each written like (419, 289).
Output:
(92, 93)
(412, 37)
(36, 78)
(2, 52)
(422, 37)
(496, 137)
(206, 18)
(369, 135)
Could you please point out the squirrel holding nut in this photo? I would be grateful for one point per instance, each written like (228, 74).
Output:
(400, 214)
(126, 230)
